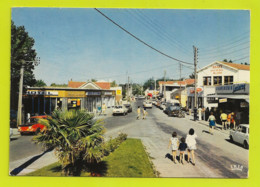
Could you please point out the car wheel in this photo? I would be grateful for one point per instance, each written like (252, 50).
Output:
(231, 139)
(37, 131)
(246, 146)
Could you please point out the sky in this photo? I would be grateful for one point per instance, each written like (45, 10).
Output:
(81, 44)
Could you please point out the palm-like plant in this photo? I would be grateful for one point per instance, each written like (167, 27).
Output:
(76, 137)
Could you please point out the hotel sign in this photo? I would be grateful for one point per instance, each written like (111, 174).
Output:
(217, 70)
(233, 89)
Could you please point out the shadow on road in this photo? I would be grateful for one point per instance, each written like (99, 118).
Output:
(20, 168)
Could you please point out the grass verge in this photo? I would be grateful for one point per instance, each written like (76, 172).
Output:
(128, 160)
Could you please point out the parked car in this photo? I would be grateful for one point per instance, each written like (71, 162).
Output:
(240, 135)
(129, 107)
(32, 126)
(173, 110)
(148, 104)
(121, 109)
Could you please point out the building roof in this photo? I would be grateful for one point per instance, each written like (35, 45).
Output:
(103, 85)
(237, 66)
(73, 84)
(184, 82)
(228, 64)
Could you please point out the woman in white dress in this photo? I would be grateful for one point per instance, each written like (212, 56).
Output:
(174, 143)
(191, 143)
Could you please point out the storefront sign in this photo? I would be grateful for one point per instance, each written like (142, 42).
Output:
(93, 93)
(233, 89)
(217, 70)
(41, 93)
(190, 91)
(118, 92)
(222, 100)
(75, 94)
(212, 100)
(108, 93)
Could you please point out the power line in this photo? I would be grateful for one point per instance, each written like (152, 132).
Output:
(241, 58)
(224, 48)
(229, 41)
(164, 33)
(225, 54)
(140, 39)
(157, 31)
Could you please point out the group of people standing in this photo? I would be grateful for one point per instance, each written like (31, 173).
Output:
(185, 144)
(228, 121)
(144, 112)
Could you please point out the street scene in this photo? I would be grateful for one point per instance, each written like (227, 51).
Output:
(117, 93)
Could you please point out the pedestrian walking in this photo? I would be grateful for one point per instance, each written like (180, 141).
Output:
(191, 144)
(174, 143)
(203, 113)
(138, 112)
(182, 147)
(212, 123)
(144, 113)
(104, 107)
(223, 118)
(207, 113)
(229, 120)
(200, 114)
(233, 120)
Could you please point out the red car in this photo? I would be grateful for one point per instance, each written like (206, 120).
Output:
(32, 126)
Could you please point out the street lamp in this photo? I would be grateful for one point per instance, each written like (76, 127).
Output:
(36, 62)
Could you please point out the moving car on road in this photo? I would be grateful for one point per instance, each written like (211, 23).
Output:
(129, 107)
(240, 135)
(148, 104)
(32, 126)
(121, 109)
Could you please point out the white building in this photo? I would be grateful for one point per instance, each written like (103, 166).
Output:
(217, 74)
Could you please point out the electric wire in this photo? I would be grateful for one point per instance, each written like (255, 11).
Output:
(140, 39)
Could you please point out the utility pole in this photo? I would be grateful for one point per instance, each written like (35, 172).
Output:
(180, 85)
(128, 89)
(164, 88)
(36, 62)
(20, 103)
(195, 50)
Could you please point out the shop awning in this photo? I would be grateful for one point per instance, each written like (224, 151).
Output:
(246, 97)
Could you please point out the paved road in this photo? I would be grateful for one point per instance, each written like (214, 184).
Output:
(215, 157)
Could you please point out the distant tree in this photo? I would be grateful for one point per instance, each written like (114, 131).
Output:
(58, 85)
(113, 84)
(230, 61)
(40, 83)
(21, 51)
(225, 60)
(149, 84)
(137, 89)
(192, 76)
(93, 80)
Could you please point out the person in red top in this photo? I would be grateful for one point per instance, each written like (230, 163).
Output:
(229, 120)
(233, 120)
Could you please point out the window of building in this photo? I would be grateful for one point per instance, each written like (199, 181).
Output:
(206, 81)
(228, 80)
(217, 80)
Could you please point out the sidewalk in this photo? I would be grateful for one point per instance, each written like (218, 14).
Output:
(206, 123)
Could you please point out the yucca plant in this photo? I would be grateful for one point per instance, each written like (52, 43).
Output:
(76, 137)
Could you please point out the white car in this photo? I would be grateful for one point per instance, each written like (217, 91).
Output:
(240, 135)
(148, 104)
(121, 109)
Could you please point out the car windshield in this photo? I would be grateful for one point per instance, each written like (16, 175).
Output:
(127, 105)
(118, 107)
(174, 108)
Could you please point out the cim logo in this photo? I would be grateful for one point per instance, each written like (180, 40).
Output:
(198, 90)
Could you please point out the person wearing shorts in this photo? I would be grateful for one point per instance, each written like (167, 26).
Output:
(212, 123)
(223, 118)
(191, 144)
(182, 147)
(174, 143)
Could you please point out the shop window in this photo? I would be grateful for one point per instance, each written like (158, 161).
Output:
(217, 80)
(228, 80)
(206, 81)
